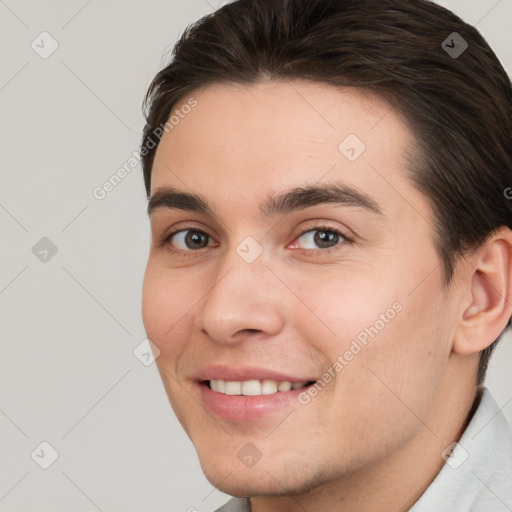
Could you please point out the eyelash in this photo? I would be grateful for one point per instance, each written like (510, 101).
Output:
(345, 239)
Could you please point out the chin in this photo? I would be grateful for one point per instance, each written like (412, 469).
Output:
(247, 486)
(263, 480)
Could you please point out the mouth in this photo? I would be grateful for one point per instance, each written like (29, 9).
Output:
(253, 400)
(254, 387)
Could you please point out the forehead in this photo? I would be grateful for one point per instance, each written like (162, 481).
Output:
(270, 136)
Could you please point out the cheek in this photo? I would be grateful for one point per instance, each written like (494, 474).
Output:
(336, 309)
(399, 373)
(388, 338)
(166, 301)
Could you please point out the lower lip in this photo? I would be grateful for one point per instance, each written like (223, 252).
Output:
(246, 408)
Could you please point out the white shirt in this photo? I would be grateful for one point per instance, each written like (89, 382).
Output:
(477, 476)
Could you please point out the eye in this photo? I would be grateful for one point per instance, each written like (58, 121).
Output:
(188, 239)
(321, 237)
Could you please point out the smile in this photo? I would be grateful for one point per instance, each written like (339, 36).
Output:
(253, 387)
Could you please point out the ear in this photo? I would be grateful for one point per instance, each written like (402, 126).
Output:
(488, 304)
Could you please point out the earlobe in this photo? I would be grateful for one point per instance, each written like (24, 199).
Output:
(489, 306)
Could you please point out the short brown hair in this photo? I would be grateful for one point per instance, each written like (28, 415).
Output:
(458, 106)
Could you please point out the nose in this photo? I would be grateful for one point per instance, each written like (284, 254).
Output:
(243, 300)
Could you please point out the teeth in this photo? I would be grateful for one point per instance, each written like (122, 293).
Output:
(253, 387)
(232, 388)
(268, 387)
(284, 386)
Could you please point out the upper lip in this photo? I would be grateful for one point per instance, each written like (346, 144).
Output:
(243, 373)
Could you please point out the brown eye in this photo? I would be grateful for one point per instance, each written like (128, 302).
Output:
(321, 238)
(189, 239)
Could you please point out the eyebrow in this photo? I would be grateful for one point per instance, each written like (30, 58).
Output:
(296, 199)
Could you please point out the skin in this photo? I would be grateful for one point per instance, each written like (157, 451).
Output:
(372, 439)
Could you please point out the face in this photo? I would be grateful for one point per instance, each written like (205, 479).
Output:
(255, 287)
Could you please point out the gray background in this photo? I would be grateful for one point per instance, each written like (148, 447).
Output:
(70, 324)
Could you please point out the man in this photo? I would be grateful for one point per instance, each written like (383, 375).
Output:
(330, 266)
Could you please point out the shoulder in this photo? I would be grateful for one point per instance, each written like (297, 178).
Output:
(477, 476)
